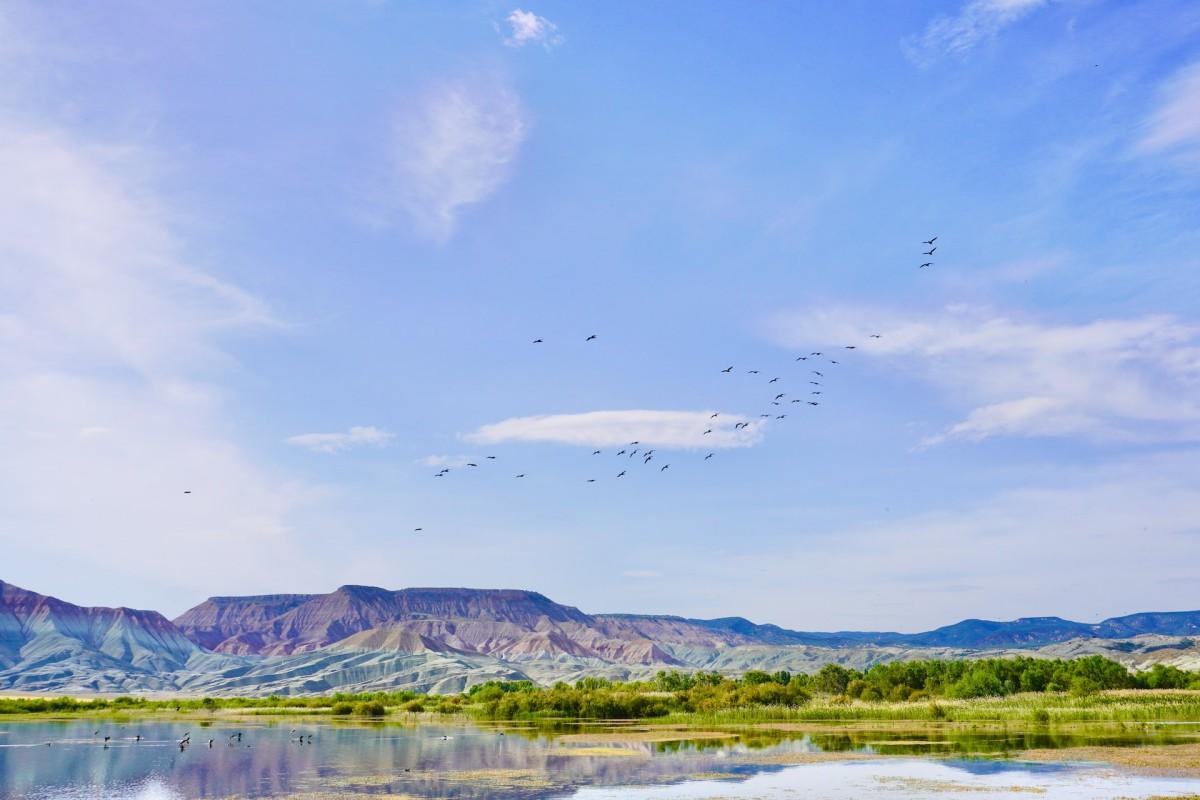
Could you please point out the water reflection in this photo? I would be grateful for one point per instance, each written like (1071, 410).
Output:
(145, 760)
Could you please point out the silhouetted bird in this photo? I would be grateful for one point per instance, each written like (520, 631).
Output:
(591, 480)
(490, 458)
(707, 432)
(926, 264)
(417, 530)
(813, 403)
(802, 358)
(595, 452)
(727, 369)
(773, 380)
(664, 467)
(472, 465)
(931, 241)
(707, 457)
(751, 372)
(620, 452)
(782, 416)
(781, 394)
(621, 474)
(819, 375)
(536, 341)
(187, 491)
(522, 475)
(588, 339)
(714, 416)
(876, 336)
(931, 251)
(851, 346)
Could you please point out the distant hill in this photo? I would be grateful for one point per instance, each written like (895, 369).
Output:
(367, 638)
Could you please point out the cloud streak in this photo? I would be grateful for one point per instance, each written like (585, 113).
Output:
(976, 22)
(357, 436)
(454, 148)
(1175, 124)
(1130, 379)
(666, 429)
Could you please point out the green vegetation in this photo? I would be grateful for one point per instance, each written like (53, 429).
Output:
(1038, 691)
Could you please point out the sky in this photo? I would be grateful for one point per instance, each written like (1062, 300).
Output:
(264, 275)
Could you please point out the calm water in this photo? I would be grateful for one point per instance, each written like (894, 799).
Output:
(71, 760)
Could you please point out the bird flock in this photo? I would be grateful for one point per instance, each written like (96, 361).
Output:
(809, 396)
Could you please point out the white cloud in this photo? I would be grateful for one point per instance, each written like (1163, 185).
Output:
(454, 148)
(110, 339)
(454, 462)
(975, 22)
(357, 436)
(1112, 379)
(528, 27)
(668, 429)
(1175, 123)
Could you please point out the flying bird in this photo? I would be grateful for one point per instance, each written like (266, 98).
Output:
(931, 251)
(620, 452)
(797, 400)
(595, 452)
(591, 480)
(876, 336)
(751, 372)
(664, 467)
(931, 241)
(813, 403)
(588, 339)
(536, 341)
(187, 491)
(621, 474)
(727, 369)
(472, 465)
(814, 354)
(781, 394)
(851, 346)
(831, 361)
(707, 457)
(782, 416)
(773, 380)
(417, 530)
(926, 264)
(802, 358)
(819, 375)
(493, 458)
(707, 432)
(714, 416)
(522, 475)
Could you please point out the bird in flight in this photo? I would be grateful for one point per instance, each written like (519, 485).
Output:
(782, 416)
(851, 346)
(802, 358)
(522, 475)
(664, 467)
(536, 341)
(417, 530)
(931, 251)
(813, 403)
(635, 442)
(773, 380)
(707, 432)
(931, 241)
(926, 264)
(814, 354)
(590, 338)
(472, 465)
(187, 491)
(634, 453)
(621, 474)
(493, 458)
(707, 457)
(831, 361)
(727, 369)
(595, 452)
(876, 336)
(815, 383)
(620, 452)
(814, 392)
(714, 416)
(819, 375)
(591, 480)
(751, 372)
(797, 400)
(781, 394)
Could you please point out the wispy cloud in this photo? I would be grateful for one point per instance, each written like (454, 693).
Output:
(528, 28)
(357, 436)
(454, 147)
(453, 462)
(641, 573)
(669, 429)
(1111, 379)
(1175, 124)
(975, 22)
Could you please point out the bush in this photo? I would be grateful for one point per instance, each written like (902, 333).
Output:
(414, 706)
(370, 709)
(342, 709)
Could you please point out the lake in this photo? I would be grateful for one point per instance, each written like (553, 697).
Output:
(307, 759)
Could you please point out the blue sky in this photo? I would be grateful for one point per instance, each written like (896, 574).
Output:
(294, 263)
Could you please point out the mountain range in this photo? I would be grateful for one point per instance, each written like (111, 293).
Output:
(365, 638)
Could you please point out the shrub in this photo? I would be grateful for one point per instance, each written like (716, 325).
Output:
(341, 709)
(415, 706)
(370, 709)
